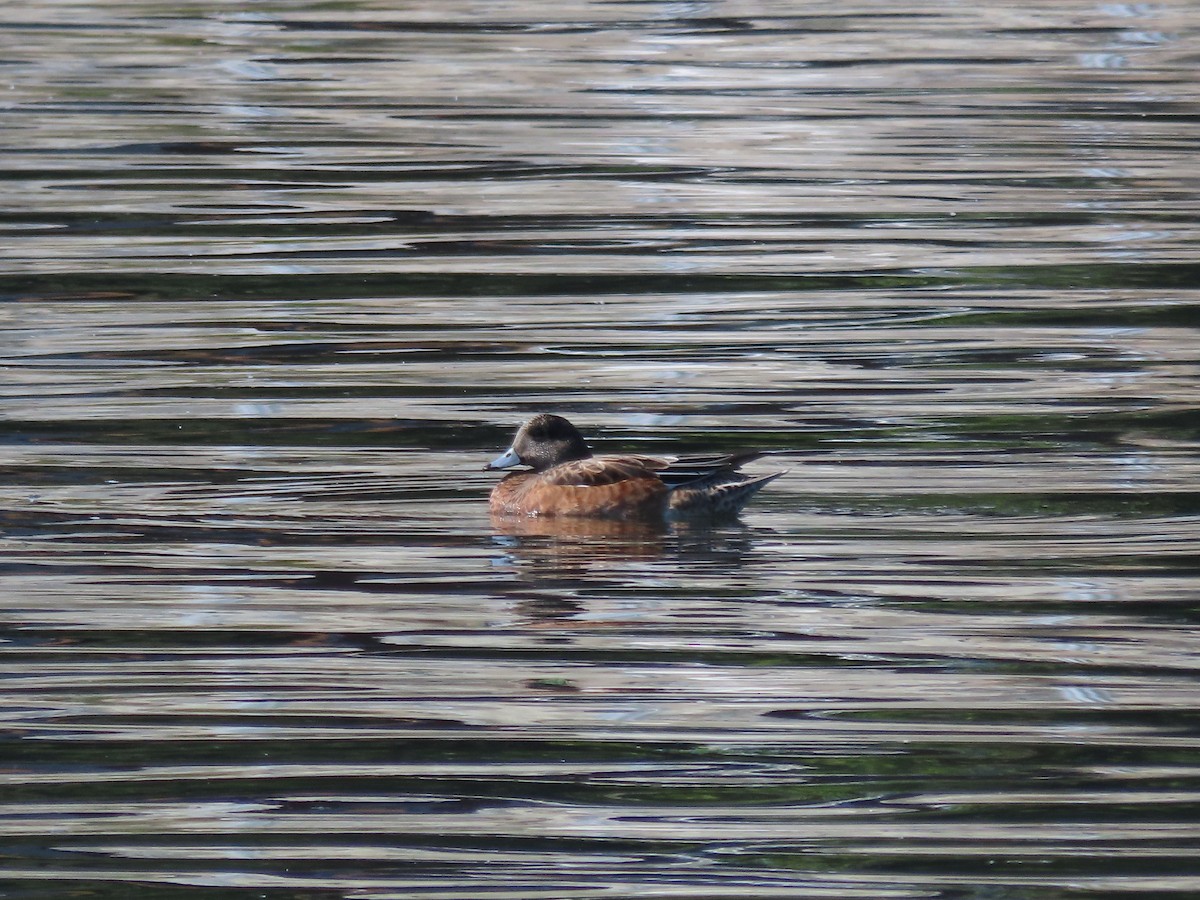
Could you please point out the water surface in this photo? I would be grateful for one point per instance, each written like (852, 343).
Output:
(276, 283)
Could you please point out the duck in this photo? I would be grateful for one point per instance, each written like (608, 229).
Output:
(560, 477)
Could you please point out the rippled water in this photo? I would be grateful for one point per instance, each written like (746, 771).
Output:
(279, 279)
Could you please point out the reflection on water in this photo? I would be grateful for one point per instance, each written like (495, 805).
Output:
(278, 280)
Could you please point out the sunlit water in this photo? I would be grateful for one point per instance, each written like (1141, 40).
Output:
(278, 279)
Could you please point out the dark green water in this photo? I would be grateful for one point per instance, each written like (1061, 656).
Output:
(276, 281)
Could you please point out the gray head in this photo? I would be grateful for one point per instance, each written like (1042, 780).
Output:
(542, 442)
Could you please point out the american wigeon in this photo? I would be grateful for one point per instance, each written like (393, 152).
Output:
(564, 479)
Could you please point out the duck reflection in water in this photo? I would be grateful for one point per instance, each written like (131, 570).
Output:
(564, 490)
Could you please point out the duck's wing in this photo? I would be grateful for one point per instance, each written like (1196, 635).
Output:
(685, 470)
(673, 471)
